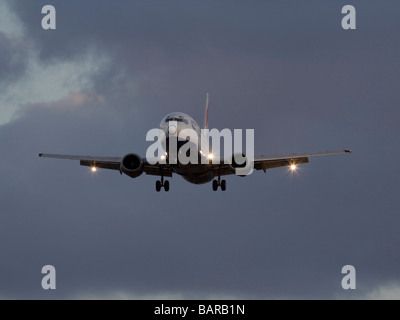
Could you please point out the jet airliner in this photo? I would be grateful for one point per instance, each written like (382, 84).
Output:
(204, 171)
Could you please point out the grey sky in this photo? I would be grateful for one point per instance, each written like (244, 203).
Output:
(111, 71)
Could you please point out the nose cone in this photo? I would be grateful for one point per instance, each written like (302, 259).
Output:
(173, 123)
(172, 130)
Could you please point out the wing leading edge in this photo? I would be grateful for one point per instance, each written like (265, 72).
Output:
(111, 163)
(276, 161)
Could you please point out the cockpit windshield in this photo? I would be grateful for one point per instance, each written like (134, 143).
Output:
(176, 119)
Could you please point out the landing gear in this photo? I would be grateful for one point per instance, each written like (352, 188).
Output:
(166, 186)
(223, 185)
(161, 183)
(219, 183)
(215, 185)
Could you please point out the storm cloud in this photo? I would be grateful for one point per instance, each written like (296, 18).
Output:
(111, 71)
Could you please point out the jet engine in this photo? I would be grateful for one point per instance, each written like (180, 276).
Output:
(132, 165)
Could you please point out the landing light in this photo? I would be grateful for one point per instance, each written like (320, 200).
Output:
(94, 169)
(293, 167)
(162, 157)
(210, 156)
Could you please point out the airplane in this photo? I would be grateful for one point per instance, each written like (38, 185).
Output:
(201, 172)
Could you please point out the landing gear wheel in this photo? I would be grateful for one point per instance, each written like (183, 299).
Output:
(166, 186)
(223, 185)
(158, 185)
(215, 185)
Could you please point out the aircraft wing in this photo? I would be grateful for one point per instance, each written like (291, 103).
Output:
(275, 161)
(267, 162)
(112, 163)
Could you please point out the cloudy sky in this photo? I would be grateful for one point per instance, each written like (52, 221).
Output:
(112, 70)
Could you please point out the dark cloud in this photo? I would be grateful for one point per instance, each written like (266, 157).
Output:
(13, 59)
(287, 70)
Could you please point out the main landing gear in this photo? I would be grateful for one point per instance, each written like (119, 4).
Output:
(219, 183)
(161, 183)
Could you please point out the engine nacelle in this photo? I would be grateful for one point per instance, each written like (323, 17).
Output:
(132, 165)
(239, 161)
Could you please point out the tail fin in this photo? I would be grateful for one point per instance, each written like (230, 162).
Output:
(206, 113)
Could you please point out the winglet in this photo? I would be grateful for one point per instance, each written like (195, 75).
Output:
(206, 113)
(40, 154)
